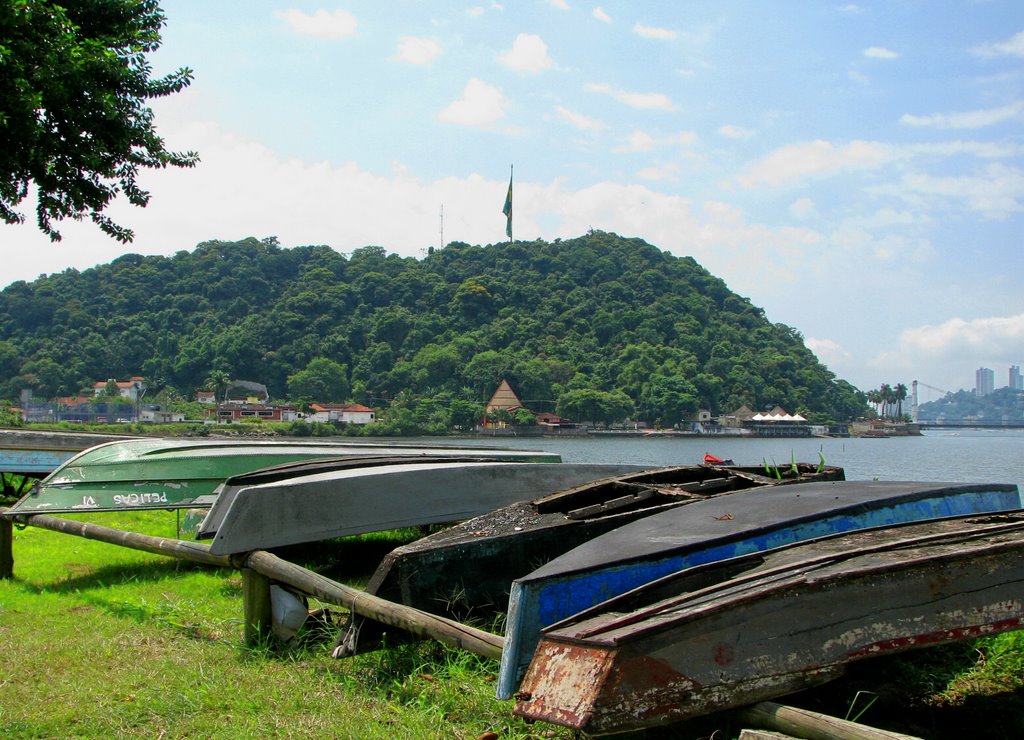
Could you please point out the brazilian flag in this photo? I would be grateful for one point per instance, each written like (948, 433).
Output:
(507, 210)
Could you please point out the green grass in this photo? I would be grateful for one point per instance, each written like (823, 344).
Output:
(102, 641)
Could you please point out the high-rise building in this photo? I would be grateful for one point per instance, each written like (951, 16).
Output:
(984, 381)
(1016, 379)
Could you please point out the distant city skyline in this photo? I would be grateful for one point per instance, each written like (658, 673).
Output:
(985, 380)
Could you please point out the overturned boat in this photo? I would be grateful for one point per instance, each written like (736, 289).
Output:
(349, 500)
(716, 529)
(165, 473)
(758, 626)
(465, 572)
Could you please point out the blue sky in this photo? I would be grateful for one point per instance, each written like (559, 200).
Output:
(856, 169)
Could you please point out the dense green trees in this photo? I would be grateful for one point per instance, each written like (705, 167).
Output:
(600, 327)
(322, 380)
(74, 79)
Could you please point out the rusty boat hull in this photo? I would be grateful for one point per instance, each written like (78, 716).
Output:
(752, 628)
(719, 528)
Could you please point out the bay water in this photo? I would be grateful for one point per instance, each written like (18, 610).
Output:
(955, 456)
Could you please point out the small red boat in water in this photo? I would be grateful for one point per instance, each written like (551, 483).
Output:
(710, 459)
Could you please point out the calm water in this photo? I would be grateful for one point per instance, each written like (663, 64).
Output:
(966, 455)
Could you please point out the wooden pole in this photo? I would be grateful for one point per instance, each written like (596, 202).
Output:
(808, 725)
(6, 547)
(181, 549)
(256, 598)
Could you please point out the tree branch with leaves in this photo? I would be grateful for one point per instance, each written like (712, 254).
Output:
(74, 81)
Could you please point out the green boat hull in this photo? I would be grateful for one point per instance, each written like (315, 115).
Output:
(172, 474)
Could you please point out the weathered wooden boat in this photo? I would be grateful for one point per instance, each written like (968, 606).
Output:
(159, 473)
(715, 529)
(347, 501)
(465, 571)
(758, 626)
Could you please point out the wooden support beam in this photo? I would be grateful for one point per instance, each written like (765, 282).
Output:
(6, 548)
(256, 598)
(182, 549)
(802, 723)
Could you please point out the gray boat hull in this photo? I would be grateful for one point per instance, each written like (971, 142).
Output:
(348, 502)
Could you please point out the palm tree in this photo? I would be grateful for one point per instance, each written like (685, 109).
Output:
(875, 398)
(218, 382)
(900, 394)
(887, 399)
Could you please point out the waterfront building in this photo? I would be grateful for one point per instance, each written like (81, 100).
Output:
(1016, 379)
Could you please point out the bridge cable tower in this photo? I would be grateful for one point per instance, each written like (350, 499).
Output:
(914, 417)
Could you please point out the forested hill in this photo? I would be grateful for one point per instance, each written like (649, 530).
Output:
(598, 312)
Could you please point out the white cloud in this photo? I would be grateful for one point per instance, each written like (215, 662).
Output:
(559, 4)
(980, 149)
(652, 32)
(735, 132)
(803, 208)
(578, 120)
(638, 141)
(685, 138)
(417, 50)
(967, 119)
(642, 101)
(1014, 47)
(830, 352)
(322, 23)
(892, 248)
(814, 158)
(851, 9)
(600, 15)
(997, 337)
(529, 53)
(666, 171)
(859, 77)
(480, 105)
(879, 52)
(475, 12)
(996, 193)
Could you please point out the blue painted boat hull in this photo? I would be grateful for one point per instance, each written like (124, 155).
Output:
(708, 531)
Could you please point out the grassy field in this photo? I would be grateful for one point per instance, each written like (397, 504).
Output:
(99, 640)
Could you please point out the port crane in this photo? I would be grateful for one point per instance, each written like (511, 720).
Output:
(913, 397)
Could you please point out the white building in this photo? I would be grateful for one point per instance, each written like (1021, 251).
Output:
(345, 413)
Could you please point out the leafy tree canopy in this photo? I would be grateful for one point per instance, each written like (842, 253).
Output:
(595, 328)
(74, 78)
(321, 380)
